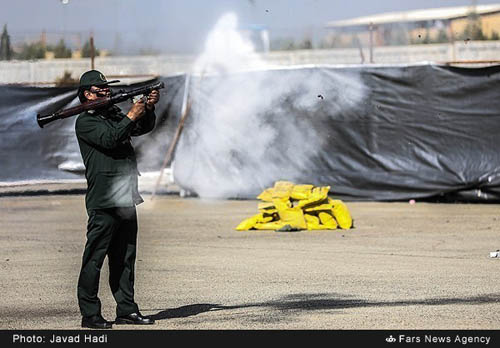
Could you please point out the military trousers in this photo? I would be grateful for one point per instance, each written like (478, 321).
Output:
(110, 232)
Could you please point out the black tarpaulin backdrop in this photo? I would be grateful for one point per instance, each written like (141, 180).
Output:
(370, 132)
(28, 152)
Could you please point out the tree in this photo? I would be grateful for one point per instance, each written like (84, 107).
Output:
(427, 37)
(32, 51)
(86, 50)
(61, 51)
(66, 80)
(442, 36)
(473, 29)
(282, 45)
(6, 52)
(305, 44)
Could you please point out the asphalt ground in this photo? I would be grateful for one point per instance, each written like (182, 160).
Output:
(403, 266)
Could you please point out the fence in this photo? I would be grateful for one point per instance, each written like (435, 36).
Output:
(47, 71)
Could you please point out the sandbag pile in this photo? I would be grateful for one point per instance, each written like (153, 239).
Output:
(287, 207)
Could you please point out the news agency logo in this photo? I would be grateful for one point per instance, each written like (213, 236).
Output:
(390, 339)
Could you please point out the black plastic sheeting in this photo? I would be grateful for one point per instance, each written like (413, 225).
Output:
(28, 152)
(370, 132)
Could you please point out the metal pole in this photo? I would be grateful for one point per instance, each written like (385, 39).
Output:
(92, 51)
(452, 41)
(371, 42)
(186, 105)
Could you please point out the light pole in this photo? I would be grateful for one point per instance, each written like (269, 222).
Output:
(64, 3)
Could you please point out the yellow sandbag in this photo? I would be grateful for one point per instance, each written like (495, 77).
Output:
(321, 207)
(266, 195)
(267, 208)
(265, 218)
(282, 203)
(327, 221)
(252, 221)
(290, 216)
(282, 189)
(301, 192)
(274, 225)
(279, 185)
(247, 223)
(314, 210)
(318, 194)
(341, 214)
(312, 222)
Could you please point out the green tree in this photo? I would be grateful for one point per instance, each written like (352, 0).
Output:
(61, 51)
(6, 52)
(305, 44)
(282, 45)
(66, 80)
(473, 29)
(427, 37)
(86, 50)
(34, 50)
(395, 35)
(494, 35)
(442, 36)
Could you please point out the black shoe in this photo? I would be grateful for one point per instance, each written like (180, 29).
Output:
(96, 322)
(134, 319)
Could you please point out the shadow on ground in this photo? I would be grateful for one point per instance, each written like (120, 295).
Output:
(307, 302)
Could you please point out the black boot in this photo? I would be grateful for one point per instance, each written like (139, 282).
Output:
(134, 319)
(96, 322)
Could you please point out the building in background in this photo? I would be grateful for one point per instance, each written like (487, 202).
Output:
(437, 25)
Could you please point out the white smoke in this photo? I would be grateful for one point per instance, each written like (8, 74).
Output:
(227, 50)
(242, 134)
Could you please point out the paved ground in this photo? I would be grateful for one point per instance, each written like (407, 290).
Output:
(421, 266)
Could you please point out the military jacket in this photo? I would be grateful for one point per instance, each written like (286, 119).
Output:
(104, 137)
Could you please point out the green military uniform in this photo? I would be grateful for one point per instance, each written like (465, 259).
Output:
(111, 171)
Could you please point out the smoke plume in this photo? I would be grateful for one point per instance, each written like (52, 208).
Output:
(251, 125)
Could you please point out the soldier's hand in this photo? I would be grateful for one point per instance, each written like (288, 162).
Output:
(153, 98)
(137, 110)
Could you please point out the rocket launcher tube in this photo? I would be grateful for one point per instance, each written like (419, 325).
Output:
(119, 97)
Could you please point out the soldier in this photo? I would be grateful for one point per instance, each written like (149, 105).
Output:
(112, 193)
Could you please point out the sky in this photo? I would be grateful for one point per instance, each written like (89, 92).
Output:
(181, 26)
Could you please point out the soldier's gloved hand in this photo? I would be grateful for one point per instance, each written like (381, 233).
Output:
(137, 110)
(153, 98)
